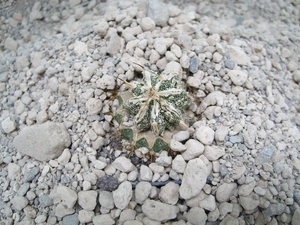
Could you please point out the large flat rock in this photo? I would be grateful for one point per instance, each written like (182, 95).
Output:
(42, 141)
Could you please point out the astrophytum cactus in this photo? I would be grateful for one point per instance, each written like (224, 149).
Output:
(157, 102)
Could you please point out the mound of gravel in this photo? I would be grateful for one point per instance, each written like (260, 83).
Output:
(62, 158)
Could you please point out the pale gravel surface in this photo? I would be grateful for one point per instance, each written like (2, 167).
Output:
(62, 160)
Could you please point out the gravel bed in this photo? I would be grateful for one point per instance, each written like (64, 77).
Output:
(63, 160)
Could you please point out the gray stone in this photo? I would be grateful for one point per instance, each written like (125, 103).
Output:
(2, 87)
(132, 222)
(249, 135)
(185, 61)
(185, 40)
(296, 76)
(213, 39)
(147, 24)
(265, 155)
(35, 59)
(106, 82)
(194, 65)
(286, 53)
(208, 203)
(93, 106)
(176, 50)
(64, 158)
(205, 135)
(194, 81)
(108, 183)
(260, 191)
(296, 217)
(217, 57)
(297, 196)
(85, 216)
(22, 62)
(169, 193)
(45, 200)
(40, 70)
(80, 48)
(123, 164)
(19, 202)
(238, 55)
(238, 77)
(8, 125)
(145, 173)
(114, 44)
(181, 136)
(71, 219)
(274, 209)
(246, 189)
(213, 153)
(158, 12)
(42, 141)
(104, 219)
(127, 214)
(7, 211)
(30, 175)
(158, 211)
(106, 199)
(35, 15)
(23, 189)
(229, 63)
(160, 47)
(147, 221)
(40, 218)
(154, 57)
(123, 195)
(87, 199)
(249, 202)
(157, 168)
(67, 196)
(142, 191)
(90, 177)
(229, 220)
(236, 139)
(10, 44)
(193, 149)
(3, 76)
(225, 191)
(61, 210)
(178, 164)
(87, 72)
(30, 195)
(292, 66)
(13, 171)
(177, 146)
(196, 216)
(73, 3)
(164, 159)
(221, 133)
(194, 179)
(101, 28)
(225, 208)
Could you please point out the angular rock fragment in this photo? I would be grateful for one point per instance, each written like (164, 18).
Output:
(158, 211)
(42, 141)
(194, 179)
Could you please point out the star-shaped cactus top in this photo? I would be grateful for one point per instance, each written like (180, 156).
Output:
(158, 102)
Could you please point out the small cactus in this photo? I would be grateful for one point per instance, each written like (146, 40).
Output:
(157, 103)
